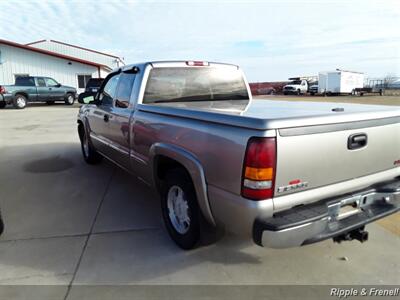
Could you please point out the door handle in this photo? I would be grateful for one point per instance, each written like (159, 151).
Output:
(357, 141)
(50, 89)
(106, 118)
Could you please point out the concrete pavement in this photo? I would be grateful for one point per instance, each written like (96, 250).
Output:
(71, 224)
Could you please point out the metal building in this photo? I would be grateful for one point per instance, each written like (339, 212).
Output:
(68, 64)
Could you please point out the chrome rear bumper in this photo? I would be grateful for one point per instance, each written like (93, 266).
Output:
(327, 219)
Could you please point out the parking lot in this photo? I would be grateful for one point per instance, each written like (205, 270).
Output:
(71, 224)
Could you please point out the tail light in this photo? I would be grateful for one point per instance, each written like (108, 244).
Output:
(259, 169)
(2, 90)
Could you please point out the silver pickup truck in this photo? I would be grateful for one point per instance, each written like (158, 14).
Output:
(281, 173)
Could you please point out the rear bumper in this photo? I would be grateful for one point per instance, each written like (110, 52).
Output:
(322, 220)
(6, 97)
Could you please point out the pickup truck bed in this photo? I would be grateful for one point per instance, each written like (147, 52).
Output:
(258, 167)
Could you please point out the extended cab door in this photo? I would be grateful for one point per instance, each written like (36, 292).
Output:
(43, 93)
(100, 115)
(119, 120)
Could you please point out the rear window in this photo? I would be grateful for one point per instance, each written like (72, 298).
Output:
(94, 83)
(25, 81)
(195, 84)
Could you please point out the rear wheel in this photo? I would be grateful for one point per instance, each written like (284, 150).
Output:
(180, 209)
(3, 104)
(20, 101)
(90, 155)
(70, 99)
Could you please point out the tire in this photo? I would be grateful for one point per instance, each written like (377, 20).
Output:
(1, 224)
(49, 102)
(69, 99)
(285, 93)
(3, 104)
(177, 190)
(90, 155)
(298, 92)
(20, 101)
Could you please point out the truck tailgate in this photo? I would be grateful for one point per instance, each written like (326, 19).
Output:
(318, 156)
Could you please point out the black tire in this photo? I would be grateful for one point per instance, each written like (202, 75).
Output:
(20, 101)
(179, 178)
(285, 93)
(50, 102)
(69, 99)
(1, 224)
(90, 155)
(3, 104)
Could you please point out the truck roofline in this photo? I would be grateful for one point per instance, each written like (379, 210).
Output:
(170, 63)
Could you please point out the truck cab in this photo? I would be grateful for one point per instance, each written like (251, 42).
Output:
(297, 87)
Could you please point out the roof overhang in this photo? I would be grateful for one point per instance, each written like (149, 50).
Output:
(54, 54)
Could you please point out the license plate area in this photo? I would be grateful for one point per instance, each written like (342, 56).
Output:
(344, 208)
(348, 210)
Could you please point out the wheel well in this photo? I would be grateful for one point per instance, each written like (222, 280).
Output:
(80, 128)
(22, 94)
(163, 164)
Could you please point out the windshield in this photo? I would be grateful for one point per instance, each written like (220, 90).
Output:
(296, 82)
(195, 84)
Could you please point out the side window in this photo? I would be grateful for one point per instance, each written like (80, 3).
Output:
(40, 82)
(124, 90)
(108, 93)
(50, 82)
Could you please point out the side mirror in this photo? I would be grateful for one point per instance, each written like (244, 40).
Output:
(86, 98)
(58, 85)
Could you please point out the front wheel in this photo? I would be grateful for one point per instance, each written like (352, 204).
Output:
(20, 102)
(90, 155)
(180, 210)
(70, 99)
(3, 104)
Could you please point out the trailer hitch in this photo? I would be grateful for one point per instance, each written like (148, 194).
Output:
(358, 234)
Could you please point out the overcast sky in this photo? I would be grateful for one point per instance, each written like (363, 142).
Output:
(271, 40)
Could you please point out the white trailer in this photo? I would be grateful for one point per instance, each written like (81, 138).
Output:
(339, 82)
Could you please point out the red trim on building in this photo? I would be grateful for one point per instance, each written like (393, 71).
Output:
(46, 52)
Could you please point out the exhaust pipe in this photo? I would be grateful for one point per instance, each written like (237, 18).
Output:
(358, 234)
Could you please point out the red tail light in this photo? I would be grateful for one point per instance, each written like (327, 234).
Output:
(2, 90)
(259, 169)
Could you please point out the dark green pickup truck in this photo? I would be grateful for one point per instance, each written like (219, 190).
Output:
(35, 89)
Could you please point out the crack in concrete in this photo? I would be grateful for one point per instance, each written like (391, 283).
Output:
(4, 280)
(90, 234)
(44, 237)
